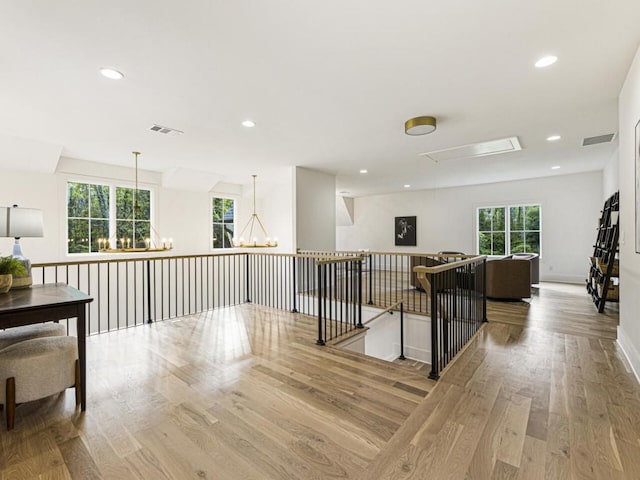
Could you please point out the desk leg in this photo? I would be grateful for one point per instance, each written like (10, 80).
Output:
(82, 354)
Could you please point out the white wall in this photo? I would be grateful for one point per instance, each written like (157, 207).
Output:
(446, 219)
(629, 115)
(274, 206)
(34, 190)
(181, 214)
(315, 194)
(611, 176)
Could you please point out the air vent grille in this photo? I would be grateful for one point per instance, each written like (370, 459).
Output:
(598, 139)
(165, 130)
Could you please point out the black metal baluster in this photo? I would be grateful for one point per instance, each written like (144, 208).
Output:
(149, 319)
(359, 299)
(247, 276)
(320, 340)
(402, 357)
(370, 260)
(434, 374)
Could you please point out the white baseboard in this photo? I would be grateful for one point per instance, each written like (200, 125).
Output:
(561, 278)
(630, 352)
(414, 353)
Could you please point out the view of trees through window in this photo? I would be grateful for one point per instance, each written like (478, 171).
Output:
(89, 216)
(222, 222)
(502, 234)
(137, 229)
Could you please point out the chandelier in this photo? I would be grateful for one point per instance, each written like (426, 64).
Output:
(135, 243)
(253, 241)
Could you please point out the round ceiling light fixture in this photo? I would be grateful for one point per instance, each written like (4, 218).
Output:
(111, 73)
(364, 170)
(553, 138)
(546, 61)
(248, 123)
(420, 125)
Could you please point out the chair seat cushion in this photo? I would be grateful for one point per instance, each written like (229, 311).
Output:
(41, 367)
(20, 334)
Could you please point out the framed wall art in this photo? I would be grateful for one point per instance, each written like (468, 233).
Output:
(405, 231)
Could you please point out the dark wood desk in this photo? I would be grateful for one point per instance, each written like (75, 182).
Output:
(43, 303)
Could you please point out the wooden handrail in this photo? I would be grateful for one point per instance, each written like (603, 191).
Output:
(404, 254)
(386, 310)
(339, 260)
(137, 257)
(421, 269)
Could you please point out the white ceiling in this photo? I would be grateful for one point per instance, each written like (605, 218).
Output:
(329, 84)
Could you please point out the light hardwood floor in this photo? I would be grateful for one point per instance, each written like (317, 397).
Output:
(542, 392)
(239, 393)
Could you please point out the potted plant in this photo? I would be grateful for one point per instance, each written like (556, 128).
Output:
(10, 267)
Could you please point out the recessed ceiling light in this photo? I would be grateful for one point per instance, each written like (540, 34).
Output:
(364, 171)
(553, 138)
(407, 186)
(111, 73)
(546, 61)
(555, 167)
(248, 123)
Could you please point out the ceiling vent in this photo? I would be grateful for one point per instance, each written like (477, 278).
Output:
(598, 139)
(481, 149)
(165, 130)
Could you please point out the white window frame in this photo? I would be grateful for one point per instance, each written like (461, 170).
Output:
(507, 225)
(112, 184)
(234, 198)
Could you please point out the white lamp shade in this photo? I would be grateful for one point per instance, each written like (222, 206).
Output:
(24, 222)
(4, 224)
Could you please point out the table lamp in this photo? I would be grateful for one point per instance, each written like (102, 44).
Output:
(19, 222)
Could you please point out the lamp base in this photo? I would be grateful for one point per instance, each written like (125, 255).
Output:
(21, 282)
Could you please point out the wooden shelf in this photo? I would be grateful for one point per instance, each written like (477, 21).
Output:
(604, 264)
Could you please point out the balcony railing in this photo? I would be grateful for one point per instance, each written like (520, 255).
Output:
(458, 307)
(339, 297)
(330, 285)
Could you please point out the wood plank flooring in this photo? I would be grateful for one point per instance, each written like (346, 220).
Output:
(543, 392)
(243, 393)
(238, 393)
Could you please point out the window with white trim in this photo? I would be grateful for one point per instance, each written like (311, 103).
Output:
(102, 211)
(222, 222)
(505, 230)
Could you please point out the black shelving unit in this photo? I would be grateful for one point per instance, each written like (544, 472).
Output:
(602, 283)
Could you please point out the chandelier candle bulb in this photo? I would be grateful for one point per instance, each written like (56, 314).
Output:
(171, 243)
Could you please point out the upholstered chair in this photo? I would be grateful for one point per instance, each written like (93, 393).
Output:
(35, 369)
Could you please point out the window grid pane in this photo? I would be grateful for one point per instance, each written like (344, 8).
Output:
(89, 216)
(491, 231)
(517, 232)
(222, 221)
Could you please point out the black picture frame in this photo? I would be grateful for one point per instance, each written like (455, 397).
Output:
(405, 231)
